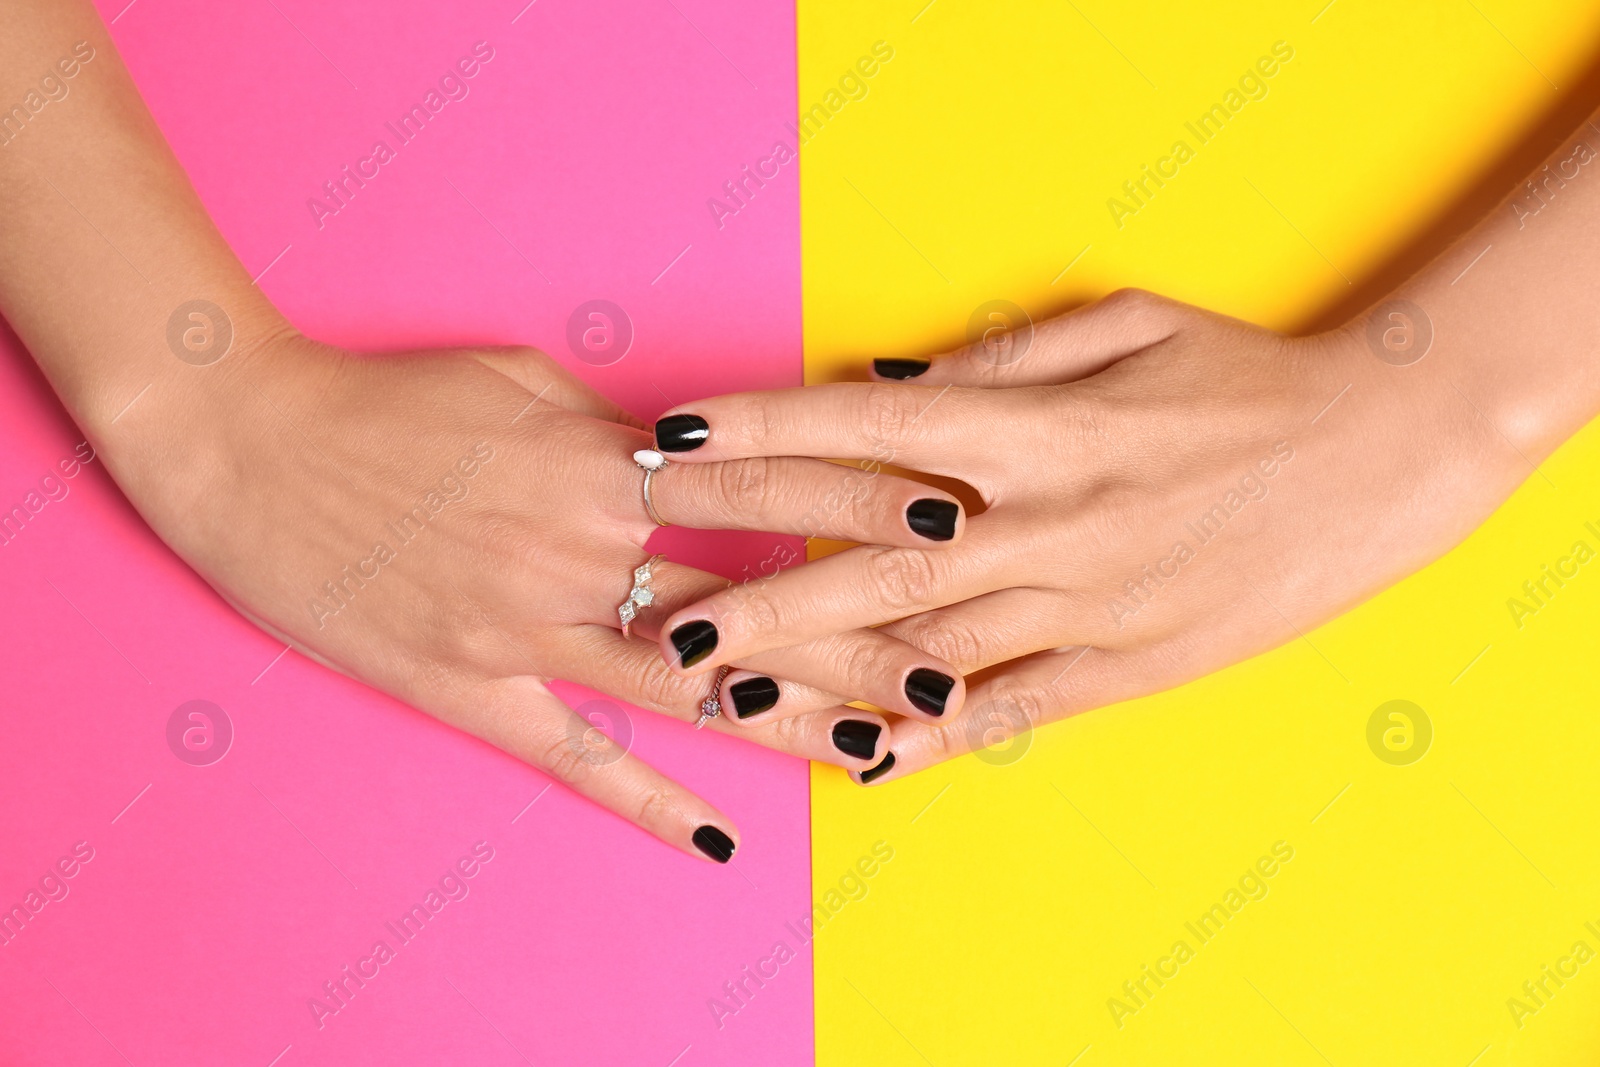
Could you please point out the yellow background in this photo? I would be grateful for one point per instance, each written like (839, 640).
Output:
(1021, 896)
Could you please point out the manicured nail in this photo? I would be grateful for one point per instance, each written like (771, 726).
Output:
(698, 639)
(681, 433)
(879, 771)
(753, 696)
(714, 843)
(933, 519)
(855, 737)
(928, 690)
(899, 369)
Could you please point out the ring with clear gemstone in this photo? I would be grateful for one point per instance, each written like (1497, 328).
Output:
(640, 596)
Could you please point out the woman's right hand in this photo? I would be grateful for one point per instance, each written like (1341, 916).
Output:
(457, 528)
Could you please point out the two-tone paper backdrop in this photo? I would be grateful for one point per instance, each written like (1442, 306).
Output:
(221, 898)
(1026, 890)
(1010, 898)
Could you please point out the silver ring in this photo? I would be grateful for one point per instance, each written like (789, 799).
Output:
(650, 461)
(640, 596)
(711, 706)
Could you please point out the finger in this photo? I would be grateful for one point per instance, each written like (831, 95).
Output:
(522, 717)
(601, 658)
(807, 497)
(632, 670)
(859, 587)
(1035, 690)
(943, 430)
(1016, 351)
(865, 665)
(994, 628)
(752, 698)
(847, 737)
(861, 665)
(830, 669)
(972, 635)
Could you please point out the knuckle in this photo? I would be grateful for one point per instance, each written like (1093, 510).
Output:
(744, 485)
(1114, 513)
(563, 760)
(661, 690)
(1022, 706)
(756, 421)
(1131, 298)
(869, 660)
(1002, 724)
(749, 609)
(788, 734)
(947, 741)
(947, 638)
(657, 806)
(901, 578)
(889, 412)
(980, 364)
(1151, 310)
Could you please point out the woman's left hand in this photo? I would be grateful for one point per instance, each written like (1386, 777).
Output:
(1168, 491)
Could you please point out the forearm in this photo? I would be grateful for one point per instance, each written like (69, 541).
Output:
(1513, 306)
(103, 238)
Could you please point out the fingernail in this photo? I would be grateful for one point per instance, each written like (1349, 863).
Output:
(714, 843)
(899, 369)
(753, 696)
(698, 639)
(855, 737)
(928, 690)
(681, 433)
(879, 771)
(933, 519)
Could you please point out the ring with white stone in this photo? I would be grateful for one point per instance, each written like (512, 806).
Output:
(640, 596)
(650, 461)
(711, 706)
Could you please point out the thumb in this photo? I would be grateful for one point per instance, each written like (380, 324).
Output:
(550, 382)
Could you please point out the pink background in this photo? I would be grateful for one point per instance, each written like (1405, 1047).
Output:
(219, 902)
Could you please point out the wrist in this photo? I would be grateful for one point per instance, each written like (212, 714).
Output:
(156, 353)
(1530, 380)
(187, 434)
(1427, 378)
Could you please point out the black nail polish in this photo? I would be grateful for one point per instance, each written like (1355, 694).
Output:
(899, 369)
(933, 519)
(753, 696)
(698, 639)
(714, 843)
(928, 690)
(681, 433)
(879, 771)
(856, 737)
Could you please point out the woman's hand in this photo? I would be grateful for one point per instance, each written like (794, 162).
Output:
(452, 527)
(1168, 491)
(457, 528)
